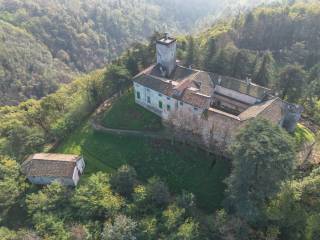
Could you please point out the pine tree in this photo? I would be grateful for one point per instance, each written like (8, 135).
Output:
(191, 52)
(264, 76)
(210, 52)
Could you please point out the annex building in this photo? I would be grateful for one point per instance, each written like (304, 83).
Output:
(204, 106)
(44, 168)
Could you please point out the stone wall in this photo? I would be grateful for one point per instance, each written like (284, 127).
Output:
(274, 113)
(212, 128)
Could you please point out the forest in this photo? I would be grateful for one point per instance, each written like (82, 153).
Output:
(79, 36)
(277, 46)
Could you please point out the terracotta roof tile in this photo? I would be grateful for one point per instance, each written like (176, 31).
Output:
(255, 110)
(50, 165)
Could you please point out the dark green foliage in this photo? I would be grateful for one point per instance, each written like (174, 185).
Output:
(191, 56)
(296, 208)
(209, 54)
(124, 180)
(263, 157)
(158, 192)
(265, 75)
(242, 64)
(292, 82)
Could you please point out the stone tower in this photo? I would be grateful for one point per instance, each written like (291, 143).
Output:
(292, 116)
(166, 54)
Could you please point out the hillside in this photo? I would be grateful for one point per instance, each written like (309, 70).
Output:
(27, 67)
(275, 46)
(135, 187)
(87, 34)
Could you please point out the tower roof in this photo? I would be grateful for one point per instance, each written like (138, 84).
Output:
(166, 40)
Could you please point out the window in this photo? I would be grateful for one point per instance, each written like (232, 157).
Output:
(168, 108)
(168, 98)
(138, 95)
(160, 95)
(160, 104)
(181, 103)
(148, 99)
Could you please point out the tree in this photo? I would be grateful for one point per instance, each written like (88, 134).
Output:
(189, 230)
(209, 54)
(263, 157)
(173, 217)
(147, 228)
(50, 227)
(118, 75)
(94, 198)
(6, 234)
(132, 64)
(265, 74)
(123, 181)
(11, 184)
(52, 198)
(158, 192)
(191, 57)
(122, 228)
(242, 65)
(292, 82)
(295, 209)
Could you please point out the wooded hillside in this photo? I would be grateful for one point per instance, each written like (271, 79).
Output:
(83, 35)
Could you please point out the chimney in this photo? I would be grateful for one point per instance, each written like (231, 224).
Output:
(166, 53)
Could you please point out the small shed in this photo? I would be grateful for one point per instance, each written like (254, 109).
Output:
(44, 168)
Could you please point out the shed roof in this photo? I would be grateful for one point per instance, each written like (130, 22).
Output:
(50, 165)
(240, 86)
(255, 110)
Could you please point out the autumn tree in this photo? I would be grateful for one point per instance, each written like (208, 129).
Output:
(121, 228)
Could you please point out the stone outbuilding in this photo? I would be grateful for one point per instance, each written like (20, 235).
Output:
(44, 168)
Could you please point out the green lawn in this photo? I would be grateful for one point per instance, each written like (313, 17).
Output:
(183, 167)
(125, 114)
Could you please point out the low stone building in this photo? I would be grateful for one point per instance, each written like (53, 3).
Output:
(44, 168)
(202, 106)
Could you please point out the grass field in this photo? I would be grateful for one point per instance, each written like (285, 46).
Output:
(125, 114)
(182, 167)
